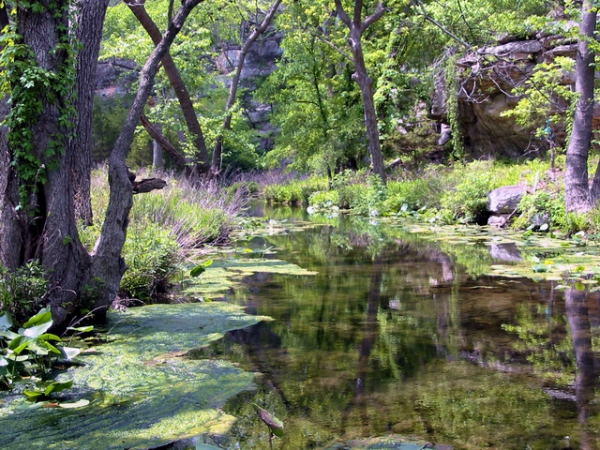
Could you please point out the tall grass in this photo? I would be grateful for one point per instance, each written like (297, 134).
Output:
(164, 227)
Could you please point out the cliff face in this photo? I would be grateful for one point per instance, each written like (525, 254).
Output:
(486, 80)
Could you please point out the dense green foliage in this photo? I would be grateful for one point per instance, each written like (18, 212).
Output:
(165, 226)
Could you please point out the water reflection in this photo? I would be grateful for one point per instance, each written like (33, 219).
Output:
(394, 336)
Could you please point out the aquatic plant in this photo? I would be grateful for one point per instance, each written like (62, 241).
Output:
(31, 351)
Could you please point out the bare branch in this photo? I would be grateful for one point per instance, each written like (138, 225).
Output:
(419, 4)
(370, 20)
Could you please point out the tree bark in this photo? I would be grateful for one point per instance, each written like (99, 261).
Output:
(108, 266)
(38, 217)
(41, 225)
(88, 25)
(577, 192)
(201, 161)
(357, 27)
(232, 97)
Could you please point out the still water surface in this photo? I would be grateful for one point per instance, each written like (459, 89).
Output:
(395, 336)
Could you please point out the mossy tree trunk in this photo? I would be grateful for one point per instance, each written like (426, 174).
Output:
(40, 162)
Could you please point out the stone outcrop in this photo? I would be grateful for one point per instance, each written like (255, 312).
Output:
(502, 204)
(487, 78)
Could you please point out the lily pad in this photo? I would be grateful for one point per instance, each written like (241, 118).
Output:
(143, 390)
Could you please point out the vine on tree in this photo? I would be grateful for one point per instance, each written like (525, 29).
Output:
(30, 88)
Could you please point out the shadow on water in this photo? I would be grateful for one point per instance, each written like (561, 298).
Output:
(394, 336)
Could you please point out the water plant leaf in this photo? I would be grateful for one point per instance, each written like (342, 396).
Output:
(36, 331)
(6, 321)
(197, 271)
(82, 329)
(58, 386)
(43, 316)
(275, 425)
(73, 405)
(69, 352)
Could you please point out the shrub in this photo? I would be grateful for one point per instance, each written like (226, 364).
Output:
(22, 290)
(296, 192)
(164, 226)
(151, 253)
(541, 206)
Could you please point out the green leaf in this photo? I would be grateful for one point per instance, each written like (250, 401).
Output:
(35, 331)
(44, 316)
(82, 329)
(6, 321)
(33, 395)
(275, 425)
(58, 386)
(197, 271)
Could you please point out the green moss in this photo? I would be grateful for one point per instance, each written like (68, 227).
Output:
(144, 389)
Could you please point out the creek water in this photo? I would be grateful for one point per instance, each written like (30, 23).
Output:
(396, 335)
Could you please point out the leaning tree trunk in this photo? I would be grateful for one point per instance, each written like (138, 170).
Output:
(357, 27)
(201, 163)
(107, 264)
(217, 155)
(577, 192)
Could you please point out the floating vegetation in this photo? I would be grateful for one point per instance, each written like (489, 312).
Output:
(144, 390)
(224, 274)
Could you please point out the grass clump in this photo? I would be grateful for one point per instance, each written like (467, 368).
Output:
(295, 192)
(164, 227)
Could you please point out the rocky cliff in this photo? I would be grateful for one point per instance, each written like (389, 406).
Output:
(486, 81)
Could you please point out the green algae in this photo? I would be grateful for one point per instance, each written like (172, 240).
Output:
(225, 274)
(144, 390)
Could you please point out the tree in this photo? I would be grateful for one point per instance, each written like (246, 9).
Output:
(232, 98)
(357, 27)
(201, 160)
(39, 159)
(577, 193)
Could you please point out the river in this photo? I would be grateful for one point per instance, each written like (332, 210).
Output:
(398, 336)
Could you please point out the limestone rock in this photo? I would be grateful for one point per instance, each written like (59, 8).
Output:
(505, 199)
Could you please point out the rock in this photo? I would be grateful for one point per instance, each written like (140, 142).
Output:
(487, 78)
(505, 200)
(497, 220)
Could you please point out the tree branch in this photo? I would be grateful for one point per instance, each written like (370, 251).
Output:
(163, 141)
(420, 5)
(342, 14)
(378, 14)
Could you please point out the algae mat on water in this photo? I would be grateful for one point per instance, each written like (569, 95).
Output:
(143, 389)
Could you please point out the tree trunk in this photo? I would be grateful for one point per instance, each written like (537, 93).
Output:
(108, 266)
(201, 161)
(89, 23)
(577, 192)
(37, 216)
(357, 27)
(158, 162)
(232, 97)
